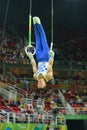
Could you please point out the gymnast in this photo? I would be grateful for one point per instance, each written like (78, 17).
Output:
(43, 72)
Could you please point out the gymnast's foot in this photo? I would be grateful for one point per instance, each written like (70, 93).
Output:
(36, 20)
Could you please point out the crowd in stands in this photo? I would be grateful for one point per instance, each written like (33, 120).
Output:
(77, 98)
(38, 103)
(70, 46)
(37, 100)
(10, 51)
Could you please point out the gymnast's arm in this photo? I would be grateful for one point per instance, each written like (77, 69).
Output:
(33, 63)
(51, 60)
(34, 66)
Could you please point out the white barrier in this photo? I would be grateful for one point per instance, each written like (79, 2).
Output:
(25, 118)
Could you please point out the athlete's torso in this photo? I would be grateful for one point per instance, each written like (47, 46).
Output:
(42, 69)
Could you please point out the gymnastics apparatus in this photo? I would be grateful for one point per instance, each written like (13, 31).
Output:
(43, 66)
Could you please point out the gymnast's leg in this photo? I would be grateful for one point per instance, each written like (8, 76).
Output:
(42, 48)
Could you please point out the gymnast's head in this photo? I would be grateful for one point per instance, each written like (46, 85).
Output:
(41, 82)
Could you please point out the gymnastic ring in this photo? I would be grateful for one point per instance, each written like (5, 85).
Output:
(28, 47)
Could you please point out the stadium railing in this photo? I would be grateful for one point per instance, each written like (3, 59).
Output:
(42, 117)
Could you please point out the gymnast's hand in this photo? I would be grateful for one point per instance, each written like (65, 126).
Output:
(51, 54)
(30, 55)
